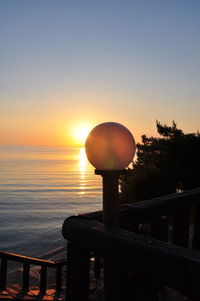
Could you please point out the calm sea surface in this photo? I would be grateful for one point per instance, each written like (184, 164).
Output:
(39, 188)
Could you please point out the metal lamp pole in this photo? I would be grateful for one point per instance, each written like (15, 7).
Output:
(110, 218)
(110, 196)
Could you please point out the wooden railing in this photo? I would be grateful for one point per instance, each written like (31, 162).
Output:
(27, 262)
(155, 246)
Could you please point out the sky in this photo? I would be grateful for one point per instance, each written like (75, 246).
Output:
(70, 65)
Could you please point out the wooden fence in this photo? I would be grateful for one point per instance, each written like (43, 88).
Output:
(155, 246)
(27, 262)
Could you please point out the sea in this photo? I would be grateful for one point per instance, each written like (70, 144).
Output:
(39, 188)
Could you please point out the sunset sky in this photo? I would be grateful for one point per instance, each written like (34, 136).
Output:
(66, 65)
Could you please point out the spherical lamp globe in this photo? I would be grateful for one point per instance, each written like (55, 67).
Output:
(110, 146)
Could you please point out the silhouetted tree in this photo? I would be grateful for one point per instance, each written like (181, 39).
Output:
(163, 165)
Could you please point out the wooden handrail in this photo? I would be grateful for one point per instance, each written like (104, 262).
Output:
(30, 260)
(27, 261)
(151, 207)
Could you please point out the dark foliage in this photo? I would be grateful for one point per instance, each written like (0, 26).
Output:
(163, 165)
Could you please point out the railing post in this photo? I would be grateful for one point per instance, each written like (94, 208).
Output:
(58, 277)
(115, 279)
(159, 228)
(181, 226)
(141, 289)
(26, 269)
(110, 218)
(78, 261)
(196, 233)
(97, 267)
(43, 279)
(3, 273)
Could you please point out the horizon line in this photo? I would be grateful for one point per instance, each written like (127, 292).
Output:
(40, 145)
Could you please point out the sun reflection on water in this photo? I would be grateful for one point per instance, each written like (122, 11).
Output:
(82, 169)
(82, 161)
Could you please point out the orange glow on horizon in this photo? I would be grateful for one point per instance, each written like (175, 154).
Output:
(79, 133)
(67, 131)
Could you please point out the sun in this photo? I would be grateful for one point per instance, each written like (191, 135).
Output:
(80, 133)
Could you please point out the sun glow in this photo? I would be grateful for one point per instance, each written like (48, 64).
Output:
(80, 133)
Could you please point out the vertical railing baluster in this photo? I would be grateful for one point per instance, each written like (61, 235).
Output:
(3, 273)
(78, 264)
(196, 232)
(26, 269)
(58, 277)
(116, 279)
(143, 289)
(159, 228)
(181, 226)
(43, 279)
(97, 267)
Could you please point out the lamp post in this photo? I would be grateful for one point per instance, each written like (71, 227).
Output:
(110, 148)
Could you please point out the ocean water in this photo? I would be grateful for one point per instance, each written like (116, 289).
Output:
(39, 188)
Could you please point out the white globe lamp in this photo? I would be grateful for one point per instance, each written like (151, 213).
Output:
(110, 146)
